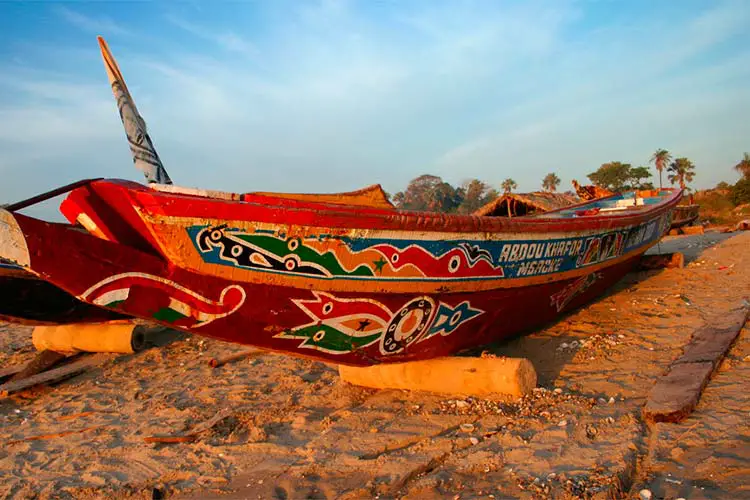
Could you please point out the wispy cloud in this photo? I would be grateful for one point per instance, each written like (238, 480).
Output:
(227, 40)
(92, 25)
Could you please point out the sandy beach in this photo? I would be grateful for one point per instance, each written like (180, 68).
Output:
(294, 430)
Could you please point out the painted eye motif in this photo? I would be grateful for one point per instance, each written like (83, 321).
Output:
(455, 318)
(290, 264)
(215, 235)
(319, 335)
(236, 251)
(394, 258)
(327, 308)
(454, 263)
(293, 244)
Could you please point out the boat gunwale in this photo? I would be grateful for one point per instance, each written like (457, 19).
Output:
(364, 218)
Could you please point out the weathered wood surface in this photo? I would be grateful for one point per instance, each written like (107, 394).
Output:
(9, 371)
(55, 374)
(454, 375)
(677, 393)
(661, 261)
(44, 360)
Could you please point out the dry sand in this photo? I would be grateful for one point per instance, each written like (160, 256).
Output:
(297, 431)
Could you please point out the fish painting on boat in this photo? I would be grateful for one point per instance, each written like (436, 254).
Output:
(344, 277)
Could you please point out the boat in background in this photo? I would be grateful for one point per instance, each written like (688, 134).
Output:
(685, 215)
(341, 278)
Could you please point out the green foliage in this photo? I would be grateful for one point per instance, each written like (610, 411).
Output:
(661, 159)
(723, 185)
(617, 176)
(429, 193)
(475, 194)
(681, 171)
(743, 167)
(637, 176)
(550, 182)
(508, 185)
(741, 191)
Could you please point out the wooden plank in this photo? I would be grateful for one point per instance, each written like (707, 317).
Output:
(54, 375)
(11, 370)
(44, 360)
(675, 395)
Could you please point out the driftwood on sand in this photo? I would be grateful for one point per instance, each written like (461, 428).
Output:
(675, 395)
(250, 353)
(54, 375)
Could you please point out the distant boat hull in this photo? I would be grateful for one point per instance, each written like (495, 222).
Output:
(340, 284)
(684, 215)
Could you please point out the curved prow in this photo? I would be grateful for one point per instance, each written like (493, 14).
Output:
(145, 157)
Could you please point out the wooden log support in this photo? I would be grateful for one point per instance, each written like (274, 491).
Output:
(661, 261)
(115, 336)
(675, 395)
(54, 375)
(452, 375)
(692, 230)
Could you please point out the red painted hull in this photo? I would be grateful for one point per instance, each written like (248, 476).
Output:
(271, 310)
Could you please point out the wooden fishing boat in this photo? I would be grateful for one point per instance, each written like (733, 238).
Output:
(685, 215)
(343, 278)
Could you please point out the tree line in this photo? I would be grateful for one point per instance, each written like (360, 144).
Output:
(431, 193)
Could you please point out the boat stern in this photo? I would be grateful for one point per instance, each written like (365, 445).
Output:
(13, 246)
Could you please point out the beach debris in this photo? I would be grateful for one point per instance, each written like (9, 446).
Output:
(53, 435)
(675, 394)
(645, 494)
(661, 261)
(55, 374)
(250, 353)
(194, 433)
(467, 428)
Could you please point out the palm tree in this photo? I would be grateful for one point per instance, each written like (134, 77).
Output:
(682, 171)
(661, 159)
(743, 166)
(550, 182)
(508, 185)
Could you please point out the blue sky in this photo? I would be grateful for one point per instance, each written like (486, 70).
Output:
(335, 95)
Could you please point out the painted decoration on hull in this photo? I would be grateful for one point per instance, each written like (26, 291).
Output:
(340, 326)
(328, 256)
(562, 298)
(167, 301)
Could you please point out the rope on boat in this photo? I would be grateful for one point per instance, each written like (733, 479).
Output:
(49, 194)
